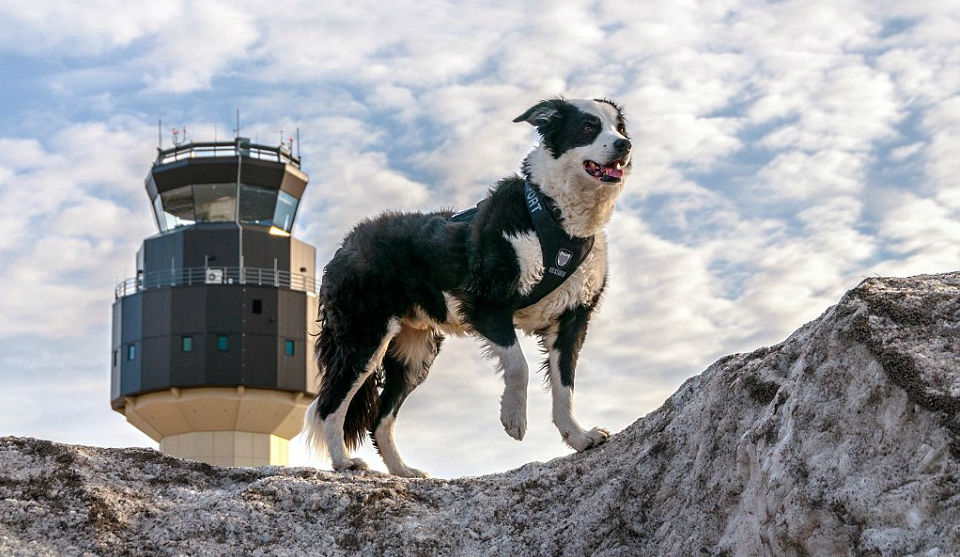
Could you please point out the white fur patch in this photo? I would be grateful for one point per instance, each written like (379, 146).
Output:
(454, 325)
(529, 257)
(412, 346)
(513, 404)
(388, 450)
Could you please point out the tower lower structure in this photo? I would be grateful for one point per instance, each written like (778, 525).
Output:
(211, 354)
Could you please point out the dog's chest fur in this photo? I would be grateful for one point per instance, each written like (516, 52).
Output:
(581, 288)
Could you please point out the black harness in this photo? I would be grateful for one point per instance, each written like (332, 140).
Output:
(562, 253)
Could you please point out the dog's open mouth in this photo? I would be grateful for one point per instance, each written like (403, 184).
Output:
(612, 172)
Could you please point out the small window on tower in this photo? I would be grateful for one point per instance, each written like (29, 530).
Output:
(186, 344)
(131, 352)
(115, 358)
(289, 348)
(222, 342)
(258, 306)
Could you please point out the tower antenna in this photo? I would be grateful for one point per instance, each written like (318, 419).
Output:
(159, 134)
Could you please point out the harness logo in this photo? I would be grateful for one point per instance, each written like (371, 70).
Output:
(563, 257)
(533, 201)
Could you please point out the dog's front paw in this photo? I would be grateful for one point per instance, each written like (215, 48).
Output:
(513, 416)
(350, 464)
(587, 439)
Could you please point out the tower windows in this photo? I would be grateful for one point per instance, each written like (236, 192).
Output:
(289, 348)
(257, 306)
(131, 352)
(223, 343)
(186, 344)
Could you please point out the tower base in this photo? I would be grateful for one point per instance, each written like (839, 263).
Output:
(223, 426)
(229, 448)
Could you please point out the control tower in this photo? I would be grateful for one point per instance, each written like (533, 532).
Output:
(210, 349)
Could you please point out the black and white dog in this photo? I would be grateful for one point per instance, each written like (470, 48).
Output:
(400, 282)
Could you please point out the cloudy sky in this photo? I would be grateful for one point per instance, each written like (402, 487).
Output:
(783, 152)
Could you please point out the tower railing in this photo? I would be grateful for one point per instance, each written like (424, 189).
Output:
(226, 149)
(226, 276)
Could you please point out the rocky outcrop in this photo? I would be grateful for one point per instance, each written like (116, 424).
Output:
(842, 440)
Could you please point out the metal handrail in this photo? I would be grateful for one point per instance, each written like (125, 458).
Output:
(225, 276)
(226, 149)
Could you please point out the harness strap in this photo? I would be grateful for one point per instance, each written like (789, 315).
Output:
(562, 254)
(466, 215)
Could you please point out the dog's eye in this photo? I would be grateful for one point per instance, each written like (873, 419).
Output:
(622, 129)
(589, 128)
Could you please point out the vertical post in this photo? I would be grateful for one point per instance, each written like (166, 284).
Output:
(236, 212)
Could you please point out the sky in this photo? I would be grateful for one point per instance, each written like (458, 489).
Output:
(783, 152)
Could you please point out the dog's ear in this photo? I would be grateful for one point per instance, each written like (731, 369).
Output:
(541, 113)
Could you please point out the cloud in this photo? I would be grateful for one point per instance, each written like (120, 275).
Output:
(72, 211)
(94, 28)
(782, 152)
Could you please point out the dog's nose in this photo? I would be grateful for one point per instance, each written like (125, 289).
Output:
(622, 146)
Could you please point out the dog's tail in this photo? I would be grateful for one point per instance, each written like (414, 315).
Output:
(312, 431)
(358, 420)
(362, 412)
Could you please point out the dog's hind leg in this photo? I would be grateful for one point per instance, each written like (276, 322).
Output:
(334, 411)
(563, 344)
(405, 365)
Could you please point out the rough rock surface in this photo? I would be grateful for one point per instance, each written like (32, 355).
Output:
(842, 440)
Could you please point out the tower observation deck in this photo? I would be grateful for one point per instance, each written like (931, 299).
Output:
(210, 349)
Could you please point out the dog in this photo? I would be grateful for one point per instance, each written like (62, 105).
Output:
(401, 281)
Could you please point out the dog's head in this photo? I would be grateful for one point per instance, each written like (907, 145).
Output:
(583, 158)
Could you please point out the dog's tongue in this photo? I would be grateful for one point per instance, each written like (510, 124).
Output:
(613, 171)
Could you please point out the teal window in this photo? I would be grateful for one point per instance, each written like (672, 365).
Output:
(289, 348)
(131, 352)
(186, 344)
(222, 342)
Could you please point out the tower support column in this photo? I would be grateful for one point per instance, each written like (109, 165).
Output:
(229, 448)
